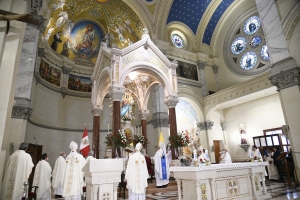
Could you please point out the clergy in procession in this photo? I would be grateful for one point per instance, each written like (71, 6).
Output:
(41, 179)
(58, 175)
(161, 166)
(137, 175)
(18, 169)
(73, 180)
(226, 158)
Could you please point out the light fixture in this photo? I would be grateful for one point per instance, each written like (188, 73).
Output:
(132, 75)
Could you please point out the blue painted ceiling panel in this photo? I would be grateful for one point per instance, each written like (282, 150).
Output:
(214, 20)
(188, 12)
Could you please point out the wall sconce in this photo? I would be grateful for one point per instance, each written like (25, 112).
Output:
(212, 148)
(245, 147)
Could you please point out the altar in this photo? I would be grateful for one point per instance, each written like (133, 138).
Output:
(222, 181)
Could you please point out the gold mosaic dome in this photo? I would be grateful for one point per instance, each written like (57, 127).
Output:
(76, 27)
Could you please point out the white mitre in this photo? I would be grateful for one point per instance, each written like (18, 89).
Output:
(73, 146)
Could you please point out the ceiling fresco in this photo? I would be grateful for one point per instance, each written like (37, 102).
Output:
(76, 27)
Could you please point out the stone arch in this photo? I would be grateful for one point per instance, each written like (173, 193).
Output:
(101, 89)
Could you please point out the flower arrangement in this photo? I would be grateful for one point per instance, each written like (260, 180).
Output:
(255, 158)
(119, 139)
(140, 139)
(179, 140)
(126, 118)
(202, 160)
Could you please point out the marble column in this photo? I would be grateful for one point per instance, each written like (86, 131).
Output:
(206, 133)
(143, 116)
(215, 69)
(10, 53)
(223, 125)
(171, 102)
(159, 119)
(117, 94)
(284, 74)
(96, 110)
(201, 65)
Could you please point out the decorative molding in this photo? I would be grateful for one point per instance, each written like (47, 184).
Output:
(21, 112)
(205, 125)
(22, 108)
(223, 125)
(117, 93)
(143, 114)
(171, 101)
(215, 69)
(97, 109)
(286, 79)
(62, 128)
(162, 122)
(245, 147)
(201, 64)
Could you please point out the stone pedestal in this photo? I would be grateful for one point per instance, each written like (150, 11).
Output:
(102, 177)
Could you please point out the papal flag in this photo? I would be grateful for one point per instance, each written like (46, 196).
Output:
(84, 145)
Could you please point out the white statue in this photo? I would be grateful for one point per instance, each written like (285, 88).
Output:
(63, 18)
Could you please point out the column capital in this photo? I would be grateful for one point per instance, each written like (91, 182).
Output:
(171, 101)
(143, 114)
(117, 93)
(206, 125)
(215, 69)
(97, 109)
(223, 125)
(201, 64)
(160, 122)
(286, 79)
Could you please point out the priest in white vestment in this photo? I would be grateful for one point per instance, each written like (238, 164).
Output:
(17, 171)
(73, 180)
(59, 174)
(272, 169)
(137, 175)
(41, 179)
(161, 167)
(255, 152)
(226, 158)
(90, 156)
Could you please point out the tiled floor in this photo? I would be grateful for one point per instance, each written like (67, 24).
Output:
(278, 191)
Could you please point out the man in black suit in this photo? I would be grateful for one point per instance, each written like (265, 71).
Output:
(278, 163)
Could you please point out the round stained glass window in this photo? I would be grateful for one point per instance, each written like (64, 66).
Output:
(256, 40)
(251, 25)
(177, 40)
(238, 45)
(265, 53)
(248, 60)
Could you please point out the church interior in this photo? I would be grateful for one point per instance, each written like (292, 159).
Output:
(225, 73)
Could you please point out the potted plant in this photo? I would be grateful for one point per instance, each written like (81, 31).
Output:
(118, 140)
(178, 140)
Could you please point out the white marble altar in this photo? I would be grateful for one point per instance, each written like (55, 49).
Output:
(222, 181)
(102, 177)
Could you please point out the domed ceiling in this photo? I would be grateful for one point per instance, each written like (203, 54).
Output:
(76, 27)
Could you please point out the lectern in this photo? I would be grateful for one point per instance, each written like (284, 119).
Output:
(102, 177)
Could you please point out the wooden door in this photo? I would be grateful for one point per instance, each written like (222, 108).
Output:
(217, 150)
(35, 151)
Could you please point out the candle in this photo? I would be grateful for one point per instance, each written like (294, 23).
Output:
(107, 129)
(138, 130)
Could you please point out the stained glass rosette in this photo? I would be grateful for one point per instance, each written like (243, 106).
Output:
(264, 53)
(238, 45)
(248, 60)
(177, 40)
(252, 25)
(255, 41)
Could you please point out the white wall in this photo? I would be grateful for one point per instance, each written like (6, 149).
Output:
(258, 115)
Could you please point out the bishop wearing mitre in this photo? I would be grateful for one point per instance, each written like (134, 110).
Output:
(73, 179)
(18, 169)
(59, 174)
(137, 175)
(161, 166)
(41, 179)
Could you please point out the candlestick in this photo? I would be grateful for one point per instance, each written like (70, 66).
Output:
(107, 129)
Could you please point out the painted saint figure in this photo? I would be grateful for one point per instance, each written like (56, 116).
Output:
(84, 48)
(56, 40)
